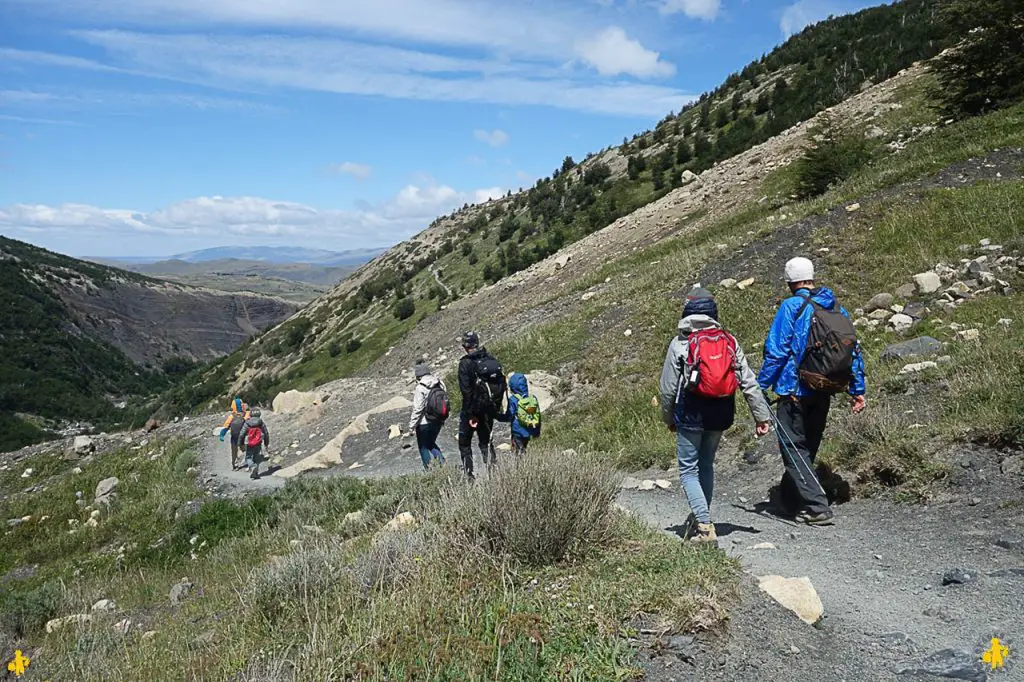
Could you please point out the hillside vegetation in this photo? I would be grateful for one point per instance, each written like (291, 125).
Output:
(83, 342)
(346, 330)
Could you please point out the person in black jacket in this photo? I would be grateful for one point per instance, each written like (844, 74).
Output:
(478, 411)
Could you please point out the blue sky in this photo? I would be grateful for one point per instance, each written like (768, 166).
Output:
(152, 127)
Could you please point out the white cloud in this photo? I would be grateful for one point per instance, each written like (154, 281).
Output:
(611, 52)
(273, 63)
(359, 171)
(209, 218)
(803, 13)
(695, 9)
(495, 138)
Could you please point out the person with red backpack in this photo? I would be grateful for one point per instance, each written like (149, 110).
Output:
(811, 354)
(429, 412)
(256, 439)
(704, 367)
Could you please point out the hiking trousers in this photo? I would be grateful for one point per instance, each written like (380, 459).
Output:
(426, 441)
(801, 427)
(484, 427)
(695, 451)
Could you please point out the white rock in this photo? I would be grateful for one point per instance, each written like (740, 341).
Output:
(647, 485)
(403, 520)
(589, 295)
(969, 335)
(1005, 322)
(852, 208)
(901, 322)
(796, 594)
(27, 472)
(562, 261)
(985, 242)
(354, 517)
(290, 402)
(83, 445)
(104, 606)
(663, 484)
(394, 431)
(916, 367)
(728, 283)
(92, 523)
(745, 283)
(77, 620)
(763, 545)
(106, 488)
(504, 447)
(94, 514)
(628, 333)
(927, 282)
(880, 314)
(76, 470)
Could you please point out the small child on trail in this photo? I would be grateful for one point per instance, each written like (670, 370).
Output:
(255, 438)
(523, 413)
(233, 424)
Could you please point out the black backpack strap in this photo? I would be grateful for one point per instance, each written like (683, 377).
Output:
(808, 300)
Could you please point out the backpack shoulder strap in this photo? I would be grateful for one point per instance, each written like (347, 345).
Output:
(808, 300)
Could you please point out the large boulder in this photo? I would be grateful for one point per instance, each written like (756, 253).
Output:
(106, 490)
(83, 445)
(927, 282)
(921, 347)
(543, 385)
(796, 594)
(879, 301)
(290, 402)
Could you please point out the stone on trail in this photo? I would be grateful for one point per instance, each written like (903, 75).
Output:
(290, 402)
(923, 346)
(504, 447)
(927, 282)
(957, 576)
(630, 483)
(663, 484)
(763, 545)
(745, 284)
(394, 431)
(958, 665)
(796, 594)
(880, 301)
(647, 484)
(562, 261)
(728, 283)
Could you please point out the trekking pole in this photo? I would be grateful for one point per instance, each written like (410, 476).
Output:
(793, 454)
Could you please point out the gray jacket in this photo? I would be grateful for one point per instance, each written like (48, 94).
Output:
(678, 350)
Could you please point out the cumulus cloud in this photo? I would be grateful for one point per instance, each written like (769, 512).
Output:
(611, 52)
(359, 171)
(695, 9)
(206, 219)
(495, 138)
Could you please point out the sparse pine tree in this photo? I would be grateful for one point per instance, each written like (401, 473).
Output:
(683, 152)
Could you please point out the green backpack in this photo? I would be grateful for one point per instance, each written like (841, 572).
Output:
(528, 412)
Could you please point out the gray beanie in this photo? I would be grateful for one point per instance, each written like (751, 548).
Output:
(422, 370)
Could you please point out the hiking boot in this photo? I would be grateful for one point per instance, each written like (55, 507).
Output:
(689, 526)
(255, 474)
(705, 533)
(825, 518)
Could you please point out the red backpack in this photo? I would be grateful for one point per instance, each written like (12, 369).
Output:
(255, 437)
(712, 361)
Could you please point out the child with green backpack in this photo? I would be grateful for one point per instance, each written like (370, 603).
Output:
(523, 413)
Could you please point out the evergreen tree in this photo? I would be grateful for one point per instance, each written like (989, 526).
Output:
(986, 71)
(683, 152)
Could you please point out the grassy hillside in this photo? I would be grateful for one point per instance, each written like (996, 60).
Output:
(359, 320)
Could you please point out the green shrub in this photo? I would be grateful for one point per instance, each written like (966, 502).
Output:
(353, 345)
(834, 157)
(404, 308)
(540, 509)
(26, 612)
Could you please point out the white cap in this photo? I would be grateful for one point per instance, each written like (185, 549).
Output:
(799, 270)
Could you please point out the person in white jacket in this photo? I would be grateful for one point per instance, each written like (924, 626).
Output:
(427, 430)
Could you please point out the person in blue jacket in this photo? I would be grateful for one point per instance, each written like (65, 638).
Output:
(519, 389)
(802, 412)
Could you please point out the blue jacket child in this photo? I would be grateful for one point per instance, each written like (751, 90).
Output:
(521, 434)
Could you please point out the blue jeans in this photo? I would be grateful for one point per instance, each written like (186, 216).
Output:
(426, 440)
(696, 453)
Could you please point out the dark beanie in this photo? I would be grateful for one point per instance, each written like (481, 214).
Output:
(700, 302)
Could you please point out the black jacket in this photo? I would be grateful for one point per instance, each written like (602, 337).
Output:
(467, 376)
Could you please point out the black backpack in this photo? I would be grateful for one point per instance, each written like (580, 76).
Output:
(489, 387)
(436, 409)
(827, 365)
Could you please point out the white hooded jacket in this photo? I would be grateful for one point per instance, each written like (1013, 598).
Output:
(419, 399)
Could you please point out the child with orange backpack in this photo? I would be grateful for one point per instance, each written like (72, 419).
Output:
(703, 369)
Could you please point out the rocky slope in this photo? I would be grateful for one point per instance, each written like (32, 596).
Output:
(79, 338)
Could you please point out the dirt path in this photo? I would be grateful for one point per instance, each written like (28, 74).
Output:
(879, 572)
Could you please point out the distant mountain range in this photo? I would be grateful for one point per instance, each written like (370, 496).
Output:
(263, 254)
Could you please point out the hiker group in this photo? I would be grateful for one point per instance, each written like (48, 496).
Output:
(487, 396)
(810, 355)
(249, 434)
